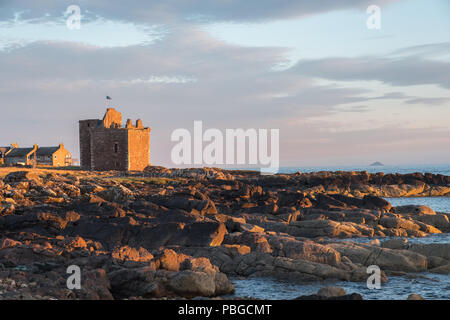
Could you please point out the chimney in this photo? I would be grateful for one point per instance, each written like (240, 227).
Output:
(139, 124)
(61, 146)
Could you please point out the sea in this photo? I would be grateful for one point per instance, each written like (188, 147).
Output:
(435, 169)
(429, 285)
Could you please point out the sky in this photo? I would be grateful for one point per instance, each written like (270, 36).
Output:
(340, 93)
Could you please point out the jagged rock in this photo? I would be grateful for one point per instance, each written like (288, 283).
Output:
(323, 228)
(127, 253)
(188, 204)
(195, 173)
(181, 238)
(171, 261)
(117, 193)
(171, 275)
(157, 171)
(386, 259)
(200, 234)
(22, 176)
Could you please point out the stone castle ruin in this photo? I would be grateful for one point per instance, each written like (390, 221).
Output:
(106, 145)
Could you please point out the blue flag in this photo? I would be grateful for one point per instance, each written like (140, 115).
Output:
(108, 98)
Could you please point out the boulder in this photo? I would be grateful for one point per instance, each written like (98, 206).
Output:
(386, 259)
(413, 210)
(442, 269)
(135, 282)
(353, 296)
(322, 228)
(398, 223)
(398, 244)
(414, 296)
(441, 250)
(95, 286)
(373, 202)
(440, 221)
(199, 234)
(329, 292)
(193, 283)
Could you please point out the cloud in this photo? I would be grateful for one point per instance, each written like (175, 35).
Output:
(429, 49)
(355, 109)
(46, 87)
(429, 101)
(157, 11)
(95, 33)
(391, 95)
(398, 71)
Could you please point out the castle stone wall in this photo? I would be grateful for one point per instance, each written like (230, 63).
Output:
(138, 149)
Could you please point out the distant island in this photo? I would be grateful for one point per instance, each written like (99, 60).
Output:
(376, 164)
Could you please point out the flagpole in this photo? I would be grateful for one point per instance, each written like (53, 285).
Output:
(107, 100)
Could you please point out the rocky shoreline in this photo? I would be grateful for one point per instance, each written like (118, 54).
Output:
(180, 233)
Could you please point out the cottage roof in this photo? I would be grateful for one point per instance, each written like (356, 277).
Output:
(46, 151)
(19, 152)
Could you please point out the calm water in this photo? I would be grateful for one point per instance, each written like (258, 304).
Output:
(436, 169)
(434, 238)
(430, 286)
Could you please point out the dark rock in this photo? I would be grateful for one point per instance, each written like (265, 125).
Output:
(353, 296)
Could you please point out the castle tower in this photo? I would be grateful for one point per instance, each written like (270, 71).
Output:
(106, 145)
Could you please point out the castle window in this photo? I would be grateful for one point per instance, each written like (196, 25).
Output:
(116, 147)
